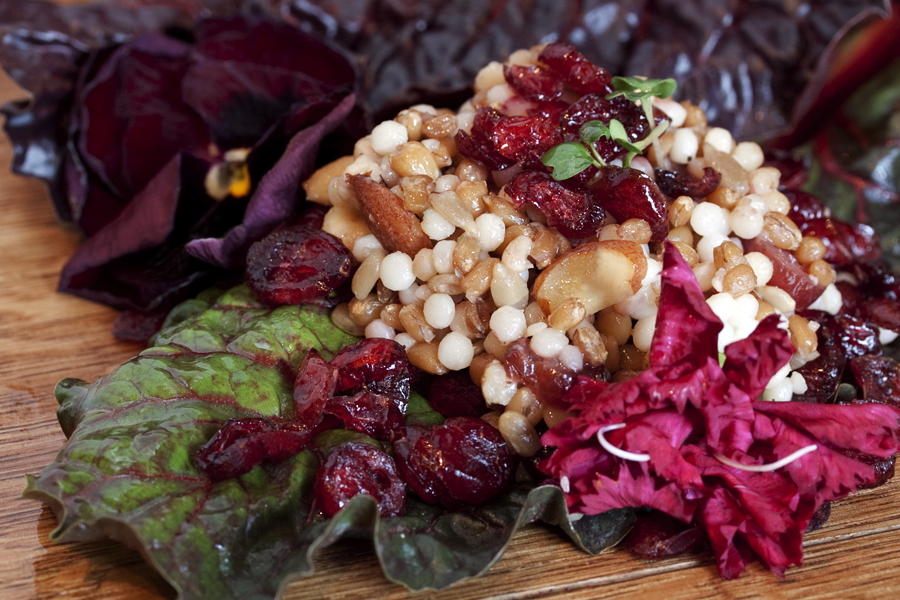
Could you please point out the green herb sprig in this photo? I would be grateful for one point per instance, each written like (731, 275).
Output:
(571, 158)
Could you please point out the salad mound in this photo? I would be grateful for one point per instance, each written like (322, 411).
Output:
(567, 300)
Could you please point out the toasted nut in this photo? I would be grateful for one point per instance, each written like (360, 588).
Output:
(316, 187)
(390, 314)
(599, 274)
(727, 254)
(477, 281)
(724, 197)
(519, 433)
(417, 193)
(739, 280)
(689, 254)
(425, 356)
(440, 126)
(680, 211)
(802, 336)
(396, 228)
(412, 317)
(591, 345)
(822, 271)
(811, 248)
(413, 158)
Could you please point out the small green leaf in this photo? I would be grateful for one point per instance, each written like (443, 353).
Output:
(592, 131)
(620, 136)
(567, 160)
(635, 89)
(419, 412)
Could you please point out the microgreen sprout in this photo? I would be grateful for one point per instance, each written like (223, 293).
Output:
(571, 158)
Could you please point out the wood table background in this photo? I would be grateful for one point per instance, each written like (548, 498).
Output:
(45, 336)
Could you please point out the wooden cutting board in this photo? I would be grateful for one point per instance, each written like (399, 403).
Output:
(45, 336)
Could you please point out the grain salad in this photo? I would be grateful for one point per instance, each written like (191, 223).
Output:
(458, 272)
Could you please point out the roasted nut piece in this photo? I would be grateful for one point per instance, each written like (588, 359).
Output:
(395, 227)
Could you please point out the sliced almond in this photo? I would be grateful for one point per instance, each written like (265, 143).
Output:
(599, 274)
(395, 227)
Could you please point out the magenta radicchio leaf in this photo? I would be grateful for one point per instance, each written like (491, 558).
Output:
(130, 467)
(688, 420)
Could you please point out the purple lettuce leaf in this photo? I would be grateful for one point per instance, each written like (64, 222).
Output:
(130, 471)
(752, 66)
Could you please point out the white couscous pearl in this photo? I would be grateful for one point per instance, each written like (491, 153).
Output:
(496, 386)
(642, 334)
(423, 264)
(435, 226)
(571, 358)
(831, 300)
(746, 222)
(798, 383)
(720, 139)
(548, 342)
(491, 231)
(684, 146)
(723, 305)
(456, 351)
(443, 256)
(405, 340)
(780, 392)
(515, 255)
(388, 136)
(364, 246)
(535, 328)
(446, 183)
(674, 110)
(380, 329)
(508, 323)
(707, 245)
(709, 219)
(396, 271)
(762, 267)
(408, 296)
(439, 310)
(749, 155)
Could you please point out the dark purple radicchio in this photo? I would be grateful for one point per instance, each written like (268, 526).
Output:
(670, 438)
(151, 117)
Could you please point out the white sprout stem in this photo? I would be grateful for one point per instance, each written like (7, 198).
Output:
(770, 467)
(618, 451)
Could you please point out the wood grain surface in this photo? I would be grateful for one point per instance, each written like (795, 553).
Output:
(45, 336)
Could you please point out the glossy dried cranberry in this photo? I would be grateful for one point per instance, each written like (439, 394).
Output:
(878, 280)
(855, 336)
(479, 144)
(788, 274)
(313, 216)
(548, 378)
(568, 206)
(242, 444)
(674, 184)
(569, 65)
(823, 374)
(525, 139)
(376, 415)
(533, 83)
(879, 378)
(313, 386)
(658, 535)
(630, 194)
(465, 460)
(883, 312)
(805, 206)
(296, 264)
(845, 244)
(884, 467)
(597, 108)
(456, 395)
(353, 469)
(376, 365)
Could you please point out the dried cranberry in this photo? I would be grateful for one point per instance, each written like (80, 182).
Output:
(855, 336)
(313, 216)
(674, 184)
(456, 395)
(242, 444)
(569, 65)
(465, 460)
(823, 374)
(357, 468)
(376, 415)
(845, 244)
(597, 108)
(546, 377)
(296, 264)
(805, 207)
(658, 535)
(788, 274)
(884, 467)
(533, 83)
(526, 139)
(878, 280)
(376, 365)
(883, 312)
(313, 386)
(479, 144)
(879, 378)
(852, 299)
(631, 194)
(568, 206)
(552, 110)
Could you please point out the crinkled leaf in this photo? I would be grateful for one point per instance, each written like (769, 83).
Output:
(129, 468)
(567, 160)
